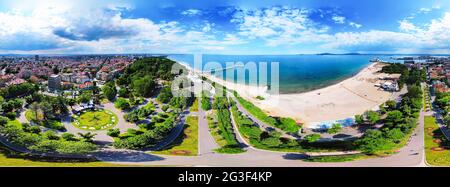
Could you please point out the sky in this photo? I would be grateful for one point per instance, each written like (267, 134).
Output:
(224, 27)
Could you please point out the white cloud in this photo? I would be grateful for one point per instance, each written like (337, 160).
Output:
(278, 25)
(431, 37)
(353, 24)
(407, 26)
(424, 10)
(338, 19)
(191, 12)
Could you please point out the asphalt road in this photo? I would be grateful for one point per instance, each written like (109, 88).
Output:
(410, 155)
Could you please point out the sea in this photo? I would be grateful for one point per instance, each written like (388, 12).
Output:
(297, 73)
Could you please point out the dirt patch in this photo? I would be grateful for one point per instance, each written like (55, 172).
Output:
(180, 152)
(437, 149)
(437, 141)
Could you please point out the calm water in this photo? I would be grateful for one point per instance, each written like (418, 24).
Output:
(298, 73)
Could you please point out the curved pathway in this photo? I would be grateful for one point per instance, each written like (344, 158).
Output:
(410, 155)
(257, 121)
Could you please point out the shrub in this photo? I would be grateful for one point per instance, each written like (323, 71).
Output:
(271, 142)
(11, 115)
(51, 135)
(164, 108)
(336, 128)
(310, 138)
(372, 116)
(122, 104)
(3, 120)
(69, 137)
(373, 142)
(113, 132)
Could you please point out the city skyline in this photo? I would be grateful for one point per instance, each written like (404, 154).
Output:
(232, 27)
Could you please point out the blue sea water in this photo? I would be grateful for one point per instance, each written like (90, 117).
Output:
(297, 73)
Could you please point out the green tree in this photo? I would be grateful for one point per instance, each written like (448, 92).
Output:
(391, 104)
(109, 90)
(144, 86)
(87, 137)
(122, 104)
(372, 116)
(165, 95)
(394, 135)
(393, 118)
(373, 142)
(310, 138)
(359, 119)
(113, 132)
(336, 128)
(69, 137)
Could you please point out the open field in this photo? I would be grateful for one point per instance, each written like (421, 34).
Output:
(187, 143)
(96, 120)
(437, 148)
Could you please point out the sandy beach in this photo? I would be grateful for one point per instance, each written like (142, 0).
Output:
(345, 99)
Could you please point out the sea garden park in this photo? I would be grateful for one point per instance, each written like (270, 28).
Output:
(127, 103)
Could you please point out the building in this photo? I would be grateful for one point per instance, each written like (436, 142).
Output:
(54, 83)
(390, 86)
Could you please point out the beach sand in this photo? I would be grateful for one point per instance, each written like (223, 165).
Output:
(345, 99)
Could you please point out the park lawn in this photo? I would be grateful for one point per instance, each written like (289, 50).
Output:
(433, 135)
(9, 159)
(31, 116)
(194, 107)
(214, 129)
(96, 120)
(286, 124)
(187, 143)
(338, 158)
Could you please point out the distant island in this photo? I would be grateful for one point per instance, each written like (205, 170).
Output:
(340, 54)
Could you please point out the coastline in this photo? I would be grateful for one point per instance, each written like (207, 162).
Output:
(342, 100)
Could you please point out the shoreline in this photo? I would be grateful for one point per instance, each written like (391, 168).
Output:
(344, 99)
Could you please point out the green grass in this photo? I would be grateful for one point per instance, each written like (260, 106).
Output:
(194, 107)
(50, 123)
(187, 143)
(337, 158)
(433, 136)
(214, 129)
(230, 150)
(11, 159)
(31, 116)
(260, 97)
(96, 120)
(285, 124)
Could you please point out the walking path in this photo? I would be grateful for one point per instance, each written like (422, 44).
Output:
(206, 143)
(410, 155)
(257, 121)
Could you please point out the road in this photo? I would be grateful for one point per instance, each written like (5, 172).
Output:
(410, 155)
(206, 143)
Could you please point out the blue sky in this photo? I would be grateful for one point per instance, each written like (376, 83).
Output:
(224, 27)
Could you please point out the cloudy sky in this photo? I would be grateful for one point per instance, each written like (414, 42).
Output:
(224, 27)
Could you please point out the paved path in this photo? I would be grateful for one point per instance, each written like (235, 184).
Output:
(206, 143)
(410, 155)
(260, 123)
